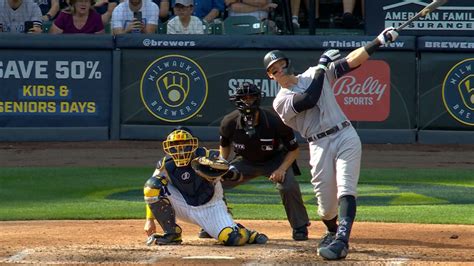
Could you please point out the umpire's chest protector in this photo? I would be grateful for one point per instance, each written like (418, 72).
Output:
(195, 190)
(263, 145)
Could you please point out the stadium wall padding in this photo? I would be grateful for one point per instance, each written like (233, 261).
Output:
(79, 87)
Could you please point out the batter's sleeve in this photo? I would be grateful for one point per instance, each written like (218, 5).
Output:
(283, 105)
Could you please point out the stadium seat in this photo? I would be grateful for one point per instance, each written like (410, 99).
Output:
(242, 25)
(108, 28)
(46, 26)
(215, 28)
(162, 27)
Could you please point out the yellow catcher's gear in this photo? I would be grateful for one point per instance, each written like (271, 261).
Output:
(180, 145)
(239, 236)
(236, 236)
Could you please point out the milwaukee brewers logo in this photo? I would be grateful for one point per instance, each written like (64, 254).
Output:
(458, 92)
(173, 88)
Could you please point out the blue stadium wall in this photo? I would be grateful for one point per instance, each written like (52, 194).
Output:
(77, 88)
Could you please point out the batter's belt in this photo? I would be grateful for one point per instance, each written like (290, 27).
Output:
(330, 131)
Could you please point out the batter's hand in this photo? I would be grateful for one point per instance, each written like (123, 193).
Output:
(278, 176)
(327, 57)
(387, 36)
(150, 227)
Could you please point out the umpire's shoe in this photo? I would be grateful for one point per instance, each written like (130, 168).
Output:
(300, 233)
(337, 250)
(168, 239)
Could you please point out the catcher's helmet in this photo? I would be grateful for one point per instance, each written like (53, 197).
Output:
(180, 145)
(273, 56)
(243, 98)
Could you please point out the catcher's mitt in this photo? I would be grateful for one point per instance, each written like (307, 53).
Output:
(211, 169)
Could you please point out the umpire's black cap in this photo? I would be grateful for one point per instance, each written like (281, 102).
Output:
(273, 56)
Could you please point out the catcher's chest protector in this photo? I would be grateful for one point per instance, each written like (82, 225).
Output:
(195, 190)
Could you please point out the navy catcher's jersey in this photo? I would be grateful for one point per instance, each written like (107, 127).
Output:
(194, 189)
(265, 144)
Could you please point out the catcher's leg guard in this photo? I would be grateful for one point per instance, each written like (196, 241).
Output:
(165, 215)
(254, 236)
(234, 236)
(257, 238)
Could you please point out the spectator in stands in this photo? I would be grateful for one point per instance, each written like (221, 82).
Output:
(208, 10)
(14, 14)
(164, 6)
(257, 8)
(80, 17)
(295, 11)
(184, 22)
(49, 9)
(348, 18)
(125, 18)
(63, 4)
(105, 9)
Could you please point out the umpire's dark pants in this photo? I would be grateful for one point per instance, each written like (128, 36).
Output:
(289, 190)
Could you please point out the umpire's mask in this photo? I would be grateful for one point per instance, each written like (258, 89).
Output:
(247, 99)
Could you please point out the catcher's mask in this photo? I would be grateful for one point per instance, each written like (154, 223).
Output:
(274, 56)
(247, 99)
(180, 145)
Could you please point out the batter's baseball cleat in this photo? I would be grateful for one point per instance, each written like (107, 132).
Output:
(326, 240)
(300, 233)
(204, 234)
(335, 251)
(168, 239)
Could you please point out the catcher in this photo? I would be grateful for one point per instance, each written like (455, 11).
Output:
(186, 185)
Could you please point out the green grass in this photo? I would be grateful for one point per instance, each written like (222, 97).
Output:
(385, 195)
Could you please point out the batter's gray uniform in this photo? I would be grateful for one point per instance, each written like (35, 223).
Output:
(334, 145)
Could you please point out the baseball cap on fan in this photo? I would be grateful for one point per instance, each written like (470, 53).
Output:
(184, 2)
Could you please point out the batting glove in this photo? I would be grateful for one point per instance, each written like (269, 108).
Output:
(327, 57)
(387, 36)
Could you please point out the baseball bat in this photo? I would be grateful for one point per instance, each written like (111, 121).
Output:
(429, 8)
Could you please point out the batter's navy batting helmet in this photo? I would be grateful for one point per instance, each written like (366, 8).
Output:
(273, 56)
(246, 89)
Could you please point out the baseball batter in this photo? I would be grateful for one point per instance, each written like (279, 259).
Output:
(176, 191)
(306, 103)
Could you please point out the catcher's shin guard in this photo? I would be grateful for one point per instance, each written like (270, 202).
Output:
(166, 217)
(254, 236)
(257, 238)
(234, 236)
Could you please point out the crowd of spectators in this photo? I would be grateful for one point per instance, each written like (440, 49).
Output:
(345, 15)
(145, 16)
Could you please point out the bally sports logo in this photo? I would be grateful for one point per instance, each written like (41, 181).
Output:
(364, 94)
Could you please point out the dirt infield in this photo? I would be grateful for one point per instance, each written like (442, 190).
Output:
(64, 242)
(110, 242)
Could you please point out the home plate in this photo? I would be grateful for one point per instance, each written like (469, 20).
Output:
(209, 258)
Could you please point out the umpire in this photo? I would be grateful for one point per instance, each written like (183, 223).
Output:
(263, 146)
